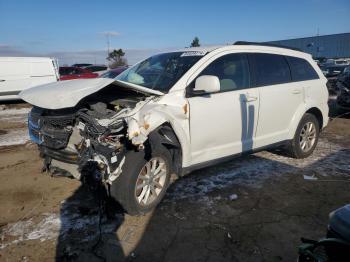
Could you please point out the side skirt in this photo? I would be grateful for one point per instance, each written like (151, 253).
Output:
(189, 169)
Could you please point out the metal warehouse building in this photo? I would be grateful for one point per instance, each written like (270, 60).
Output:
(328, 46)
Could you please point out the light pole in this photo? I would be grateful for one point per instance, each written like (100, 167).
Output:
(108, 42)
(108, 35)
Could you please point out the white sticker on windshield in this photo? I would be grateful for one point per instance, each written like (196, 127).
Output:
(194, 53)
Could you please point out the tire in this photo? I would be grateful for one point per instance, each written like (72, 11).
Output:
(124, 191)
(296, 148)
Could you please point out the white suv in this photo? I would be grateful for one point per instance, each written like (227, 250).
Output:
(176, 112)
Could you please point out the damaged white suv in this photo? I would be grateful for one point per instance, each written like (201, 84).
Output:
(176, 112)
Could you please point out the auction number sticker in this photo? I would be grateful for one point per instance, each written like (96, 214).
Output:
(194, 53)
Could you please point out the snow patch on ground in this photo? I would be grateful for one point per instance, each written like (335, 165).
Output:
(68, 225)
(253, 170)
(72, 225)
(14, 114)
(14, 137)
(15, 111)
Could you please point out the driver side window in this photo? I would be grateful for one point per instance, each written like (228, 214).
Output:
(232, 71)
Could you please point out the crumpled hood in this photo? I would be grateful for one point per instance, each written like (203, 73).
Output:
(64, 94)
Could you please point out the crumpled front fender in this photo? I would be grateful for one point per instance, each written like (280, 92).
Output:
(156, 113)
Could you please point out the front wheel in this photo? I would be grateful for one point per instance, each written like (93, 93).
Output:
(143, 181)
(306, 137)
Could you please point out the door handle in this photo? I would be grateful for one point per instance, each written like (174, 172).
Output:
(249, 98)
(2, 80)
(296, 91)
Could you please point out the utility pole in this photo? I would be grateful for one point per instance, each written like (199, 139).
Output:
(108, 35)
(108, 42)
(318, 42)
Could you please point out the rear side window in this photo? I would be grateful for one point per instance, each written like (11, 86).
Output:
(301, 69)
(232, 71)
(270, 69)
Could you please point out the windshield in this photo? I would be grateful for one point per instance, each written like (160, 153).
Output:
(161, 72)
(113, 72)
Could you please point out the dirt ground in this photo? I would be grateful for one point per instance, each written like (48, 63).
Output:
(254, 208)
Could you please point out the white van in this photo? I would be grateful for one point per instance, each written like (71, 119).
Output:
(19, 73)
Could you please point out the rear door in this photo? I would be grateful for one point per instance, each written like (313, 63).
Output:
(223, 123)
(279, 97)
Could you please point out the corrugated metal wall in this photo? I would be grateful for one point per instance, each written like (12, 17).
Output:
(329, 46)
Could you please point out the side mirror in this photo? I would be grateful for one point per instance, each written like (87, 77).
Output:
(206, 84)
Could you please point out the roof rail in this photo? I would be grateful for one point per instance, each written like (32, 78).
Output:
(266, 44)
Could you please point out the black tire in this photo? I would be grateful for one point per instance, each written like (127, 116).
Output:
(123, 188)
(294, 147)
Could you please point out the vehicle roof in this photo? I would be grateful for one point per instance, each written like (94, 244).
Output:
(199, 48)
(95, 65)
(73, 67)
(20, 58)
(248, 47)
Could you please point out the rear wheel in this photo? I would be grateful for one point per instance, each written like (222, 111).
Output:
(305, 138)
(143, 182)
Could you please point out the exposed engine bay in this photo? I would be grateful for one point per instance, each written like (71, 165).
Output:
(90, 140)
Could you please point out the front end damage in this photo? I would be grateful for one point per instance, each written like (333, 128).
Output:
(89, 141)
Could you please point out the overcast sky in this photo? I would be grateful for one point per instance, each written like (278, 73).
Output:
(75, 31)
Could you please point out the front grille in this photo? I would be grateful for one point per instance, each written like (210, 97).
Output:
(58, 121)
(50, 131)
(54, 138)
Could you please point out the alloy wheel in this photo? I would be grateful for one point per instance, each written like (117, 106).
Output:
(151, 180)
(307, 136)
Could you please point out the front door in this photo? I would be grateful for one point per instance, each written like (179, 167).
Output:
(224, 123)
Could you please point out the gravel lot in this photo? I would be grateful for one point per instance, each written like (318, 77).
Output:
(254, 208)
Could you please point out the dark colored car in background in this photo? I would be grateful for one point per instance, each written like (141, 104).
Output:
(81, 65)
(332, 72)
(343, 90)
(70, 72)
(114, 72)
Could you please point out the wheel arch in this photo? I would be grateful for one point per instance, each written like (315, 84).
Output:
(165, 135)
(315, 110)
(318, 114)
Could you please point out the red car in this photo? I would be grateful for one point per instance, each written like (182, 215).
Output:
(71, 72)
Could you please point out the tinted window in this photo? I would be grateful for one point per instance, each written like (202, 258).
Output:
(270, 69)
(232, 71)
(301, 69)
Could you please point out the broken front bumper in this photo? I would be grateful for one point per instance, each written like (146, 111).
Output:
(66, 150)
